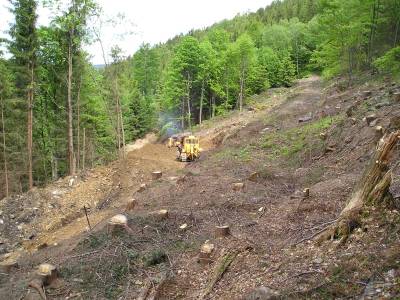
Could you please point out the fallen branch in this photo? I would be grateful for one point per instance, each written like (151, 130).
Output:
(221, 267)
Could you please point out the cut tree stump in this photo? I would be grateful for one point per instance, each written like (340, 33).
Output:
(156, 175)
(130, 205)
(117, 224)
(366, 94)
(160, 215)
(372, 189)
(370, 119)
(238, 187)
(254, 176)
(8, 266)
(378, 133)
(205, 253)
(222, 231)
(396, 96)
(323, 136)
(142, 188)
(47, 274)
(306, 193)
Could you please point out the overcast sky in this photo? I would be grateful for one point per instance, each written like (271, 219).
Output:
(152, 21)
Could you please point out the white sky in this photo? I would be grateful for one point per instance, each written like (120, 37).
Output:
(154, 20)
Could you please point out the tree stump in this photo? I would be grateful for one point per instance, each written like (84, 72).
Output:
(160, 215)
(306, 193)
(238, 187)
(396, 96)
(205, 253)
(378, 133)
(7, 266)
(47, 273)
(117, 224)
(366, 94)
(370, 119)
(222, 231)
(130, 205)
(156, 175)
(254, 176)
(372, 189)
(142, 188)
(323, 136)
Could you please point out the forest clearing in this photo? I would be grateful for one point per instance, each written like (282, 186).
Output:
(295, 191)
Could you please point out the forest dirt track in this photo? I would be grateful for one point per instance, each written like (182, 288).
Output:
(269, 219)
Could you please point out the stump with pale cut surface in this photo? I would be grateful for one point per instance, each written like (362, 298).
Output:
(222, 231)
(156, 175)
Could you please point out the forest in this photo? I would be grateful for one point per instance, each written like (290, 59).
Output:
(61, 115)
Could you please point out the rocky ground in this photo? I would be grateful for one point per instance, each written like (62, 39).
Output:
(250, 177)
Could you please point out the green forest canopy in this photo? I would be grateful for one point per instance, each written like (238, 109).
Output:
(60, 114)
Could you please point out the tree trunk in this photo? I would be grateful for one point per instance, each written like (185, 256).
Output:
(396, 33)
(373, 189)
(70, 151)
(188, 101)
(29, 126)
(201, 102)
(84, 149)
(78, 125)
(241, 90)
(4, 148)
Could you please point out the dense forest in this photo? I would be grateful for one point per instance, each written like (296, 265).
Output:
(60, 114)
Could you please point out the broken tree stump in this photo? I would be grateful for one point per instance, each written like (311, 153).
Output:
(370, 119)
(142, 188)
(372, 189)
(205, 253)
(238, 187)
(156, 175)
(130, 205)
(222, 231)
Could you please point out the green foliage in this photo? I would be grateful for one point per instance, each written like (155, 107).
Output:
(154, 258)
(389, 62)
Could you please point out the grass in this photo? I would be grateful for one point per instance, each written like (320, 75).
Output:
(289, 142)
(243, 154)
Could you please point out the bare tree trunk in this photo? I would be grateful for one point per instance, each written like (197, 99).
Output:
(84, 149)
(213, 105)
(396, 33)
(241, 90)
(201, 102)
(188, 101)
(30, 125)
(78, 125)
(297, 58)
(4, 148)
(70, 151)
(120, 122)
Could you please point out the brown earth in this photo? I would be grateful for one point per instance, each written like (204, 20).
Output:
(272, 225)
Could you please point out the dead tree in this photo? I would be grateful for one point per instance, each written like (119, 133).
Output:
(373, 189)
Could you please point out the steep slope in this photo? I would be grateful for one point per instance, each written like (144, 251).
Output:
(276, 149)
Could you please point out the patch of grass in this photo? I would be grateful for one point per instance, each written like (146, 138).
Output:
(239, 154)
(154, 258)
(289, 142)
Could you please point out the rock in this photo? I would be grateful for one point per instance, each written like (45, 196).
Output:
(238, 186)
(262, 293)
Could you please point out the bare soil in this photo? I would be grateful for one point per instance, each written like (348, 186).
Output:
(271, 224)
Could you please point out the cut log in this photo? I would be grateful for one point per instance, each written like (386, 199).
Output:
(130, 205)
(220, 268)
(238, 187)
(372, 189)
(222, 231)
(205, 253)
(156, 175)
(8, 266)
